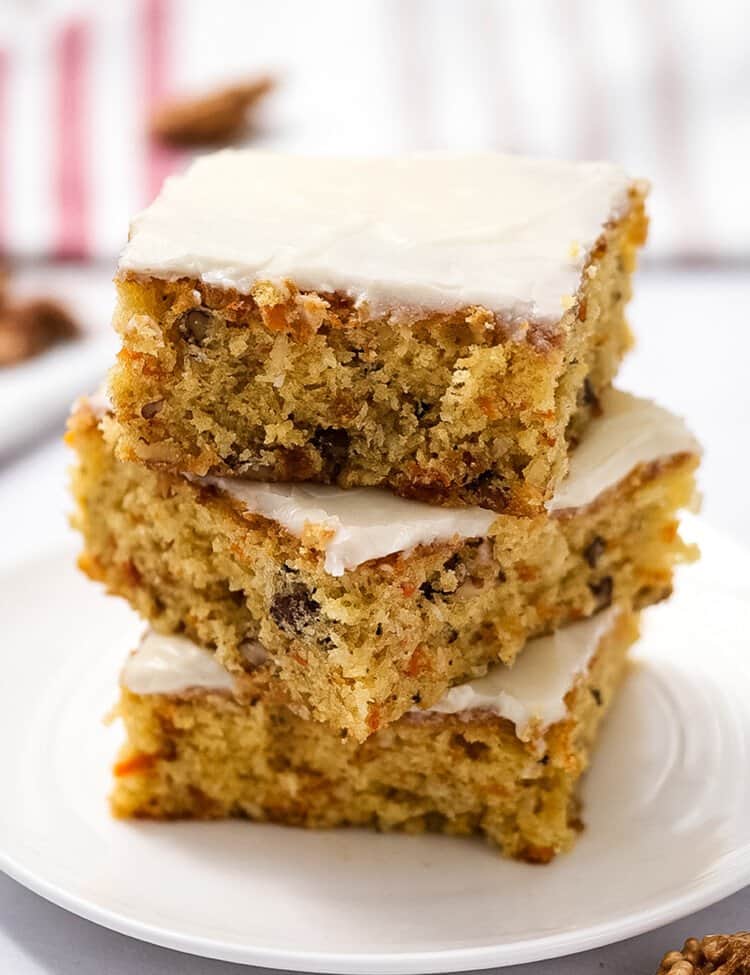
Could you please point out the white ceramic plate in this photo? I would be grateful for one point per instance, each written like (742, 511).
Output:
(666, 807)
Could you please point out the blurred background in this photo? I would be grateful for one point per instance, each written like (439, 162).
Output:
(100, 101)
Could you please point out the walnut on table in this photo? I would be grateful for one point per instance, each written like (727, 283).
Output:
(29, 327)
(716, 954)
(211, 119)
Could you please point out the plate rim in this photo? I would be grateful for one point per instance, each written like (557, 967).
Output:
(394, 963)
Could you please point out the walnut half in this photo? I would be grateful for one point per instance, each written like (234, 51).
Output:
(212, 119)
(716, 954)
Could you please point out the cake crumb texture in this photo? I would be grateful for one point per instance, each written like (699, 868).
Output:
(207, 756)
(359, 650)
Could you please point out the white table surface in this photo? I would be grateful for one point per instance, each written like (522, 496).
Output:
(693, 354)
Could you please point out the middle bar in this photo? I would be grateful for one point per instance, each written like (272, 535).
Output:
(369, 605)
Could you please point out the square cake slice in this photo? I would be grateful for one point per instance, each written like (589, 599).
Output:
(500, 756)
(369, 604)
(439, 325)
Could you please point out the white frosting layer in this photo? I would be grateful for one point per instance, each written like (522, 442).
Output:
(630, 431)
(171, 665)
(531, 694)
(361, 523)
(437, 231)
(369, 523)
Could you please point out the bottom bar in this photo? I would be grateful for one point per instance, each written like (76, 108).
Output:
(500, 755)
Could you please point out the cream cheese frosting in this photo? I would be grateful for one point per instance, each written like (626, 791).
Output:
(532, 692)
(172, 665)
(436, 231)
(368, 523)
(360, 523)
(629, 432)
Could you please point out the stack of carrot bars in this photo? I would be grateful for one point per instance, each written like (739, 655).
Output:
(363, 471)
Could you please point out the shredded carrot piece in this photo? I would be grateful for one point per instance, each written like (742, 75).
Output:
(136, 763)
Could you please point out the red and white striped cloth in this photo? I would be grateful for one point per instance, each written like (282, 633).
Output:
(76, 90)
(663, 88)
